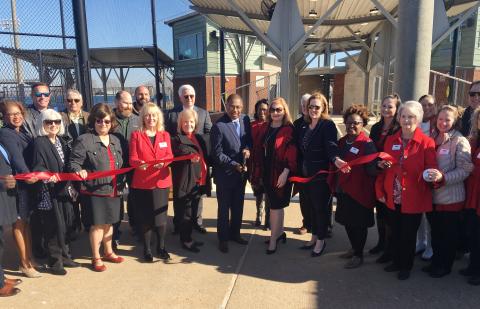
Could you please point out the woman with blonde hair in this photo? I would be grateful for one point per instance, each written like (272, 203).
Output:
(190, 177)
(278, 155)
(151, 183)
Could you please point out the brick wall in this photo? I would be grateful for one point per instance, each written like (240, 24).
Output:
(338, 93)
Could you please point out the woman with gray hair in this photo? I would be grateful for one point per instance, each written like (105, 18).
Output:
(53, 201)
(405, 185)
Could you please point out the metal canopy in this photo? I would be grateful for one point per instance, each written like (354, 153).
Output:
(350, 22)
(114, 57)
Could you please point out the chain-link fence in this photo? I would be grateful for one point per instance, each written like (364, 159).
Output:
(34, 38)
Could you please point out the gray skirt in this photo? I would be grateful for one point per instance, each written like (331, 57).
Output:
(101, 210)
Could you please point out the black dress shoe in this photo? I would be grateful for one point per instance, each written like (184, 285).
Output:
(192, 248)
(403, 275)
(384, 258)
(474, 280)
(163, 254)
(223, 246)
(200, 229)
(439, 272)
(467, 272)
(315, 254)
(391, 268)
(240, 240)
(57, 271)
(148, 257)
(69, 263)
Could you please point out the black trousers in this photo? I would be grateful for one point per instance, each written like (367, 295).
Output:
(186, 207)
(230, 210)
(474, 242)
(305, 208)
(444, 231)
(358, 238)
(319, 195)
(116, 226)
(404, 236)
(382, 226)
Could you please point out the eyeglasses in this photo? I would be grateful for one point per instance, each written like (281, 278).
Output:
(276, 110)
(473, 94)
(73, 100)
(189, 96)
(355, 123)
(103, 121)
(52, 122)
(40, 94)
(16, 114)
(315, 107)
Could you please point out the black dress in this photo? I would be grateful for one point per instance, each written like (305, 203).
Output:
(272, 198)
(151, 204)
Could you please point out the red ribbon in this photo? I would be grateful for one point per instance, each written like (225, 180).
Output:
(358, 161)
(95, 175)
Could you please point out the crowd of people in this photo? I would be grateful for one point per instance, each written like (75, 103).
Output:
(424, 188)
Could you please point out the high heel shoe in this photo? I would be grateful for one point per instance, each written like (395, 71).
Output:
(30, 272)
(315, 254)
(282, 237)
(98, 268)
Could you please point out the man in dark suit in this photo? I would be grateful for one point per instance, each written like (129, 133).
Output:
(230, 142)
(186, 94)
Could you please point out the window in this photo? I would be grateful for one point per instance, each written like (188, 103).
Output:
(190, 46)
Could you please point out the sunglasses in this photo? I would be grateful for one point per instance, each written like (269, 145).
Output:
(189, 96)
(355, 123)
(52, 122)
(40, 94)
(276, 110)
(73, 100)
(473, 94)
(314, 107)
(103, 121)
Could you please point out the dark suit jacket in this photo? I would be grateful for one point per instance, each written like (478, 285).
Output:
(71, 129)
(186, 173)
(227, 149)
(8, 208)
(204, 122)
(19, 146)
(46, 158)
(320, 149)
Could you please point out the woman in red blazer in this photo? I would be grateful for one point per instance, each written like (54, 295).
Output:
(261, 112)
(151, 183)
(355, 187)
(473, 204)
(278, 155)
(405, 185)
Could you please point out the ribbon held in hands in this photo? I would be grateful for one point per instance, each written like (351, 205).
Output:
(358, 161)
(95, 175)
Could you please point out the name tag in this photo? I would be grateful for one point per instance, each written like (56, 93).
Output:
(163, 144)
(444, 151)
(396, 147)
(354, 150)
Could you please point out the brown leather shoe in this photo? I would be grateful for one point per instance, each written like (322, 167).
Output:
(8, 290)
(13, 282)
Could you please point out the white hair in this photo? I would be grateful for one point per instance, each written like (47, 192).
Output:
(413, 106)
(49, 114)
(305, 98)
(74, 91)
(185, 87)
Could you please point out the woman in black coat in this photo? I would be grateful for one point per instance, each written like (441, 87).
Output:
(53, 204)
(318, 147)
(190, 177)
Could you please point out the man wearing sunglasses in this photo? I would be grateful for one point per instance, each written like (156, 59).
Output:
(474, 94)
(40, 98)
(142, 97)
(186, 94)
(74, 117)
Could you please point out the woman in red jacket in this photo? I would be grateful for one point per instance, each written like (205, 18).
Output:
(151, 183)
(473, 204)
(278, 155)
(355, 187)
(261, 112)
(405, 186)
